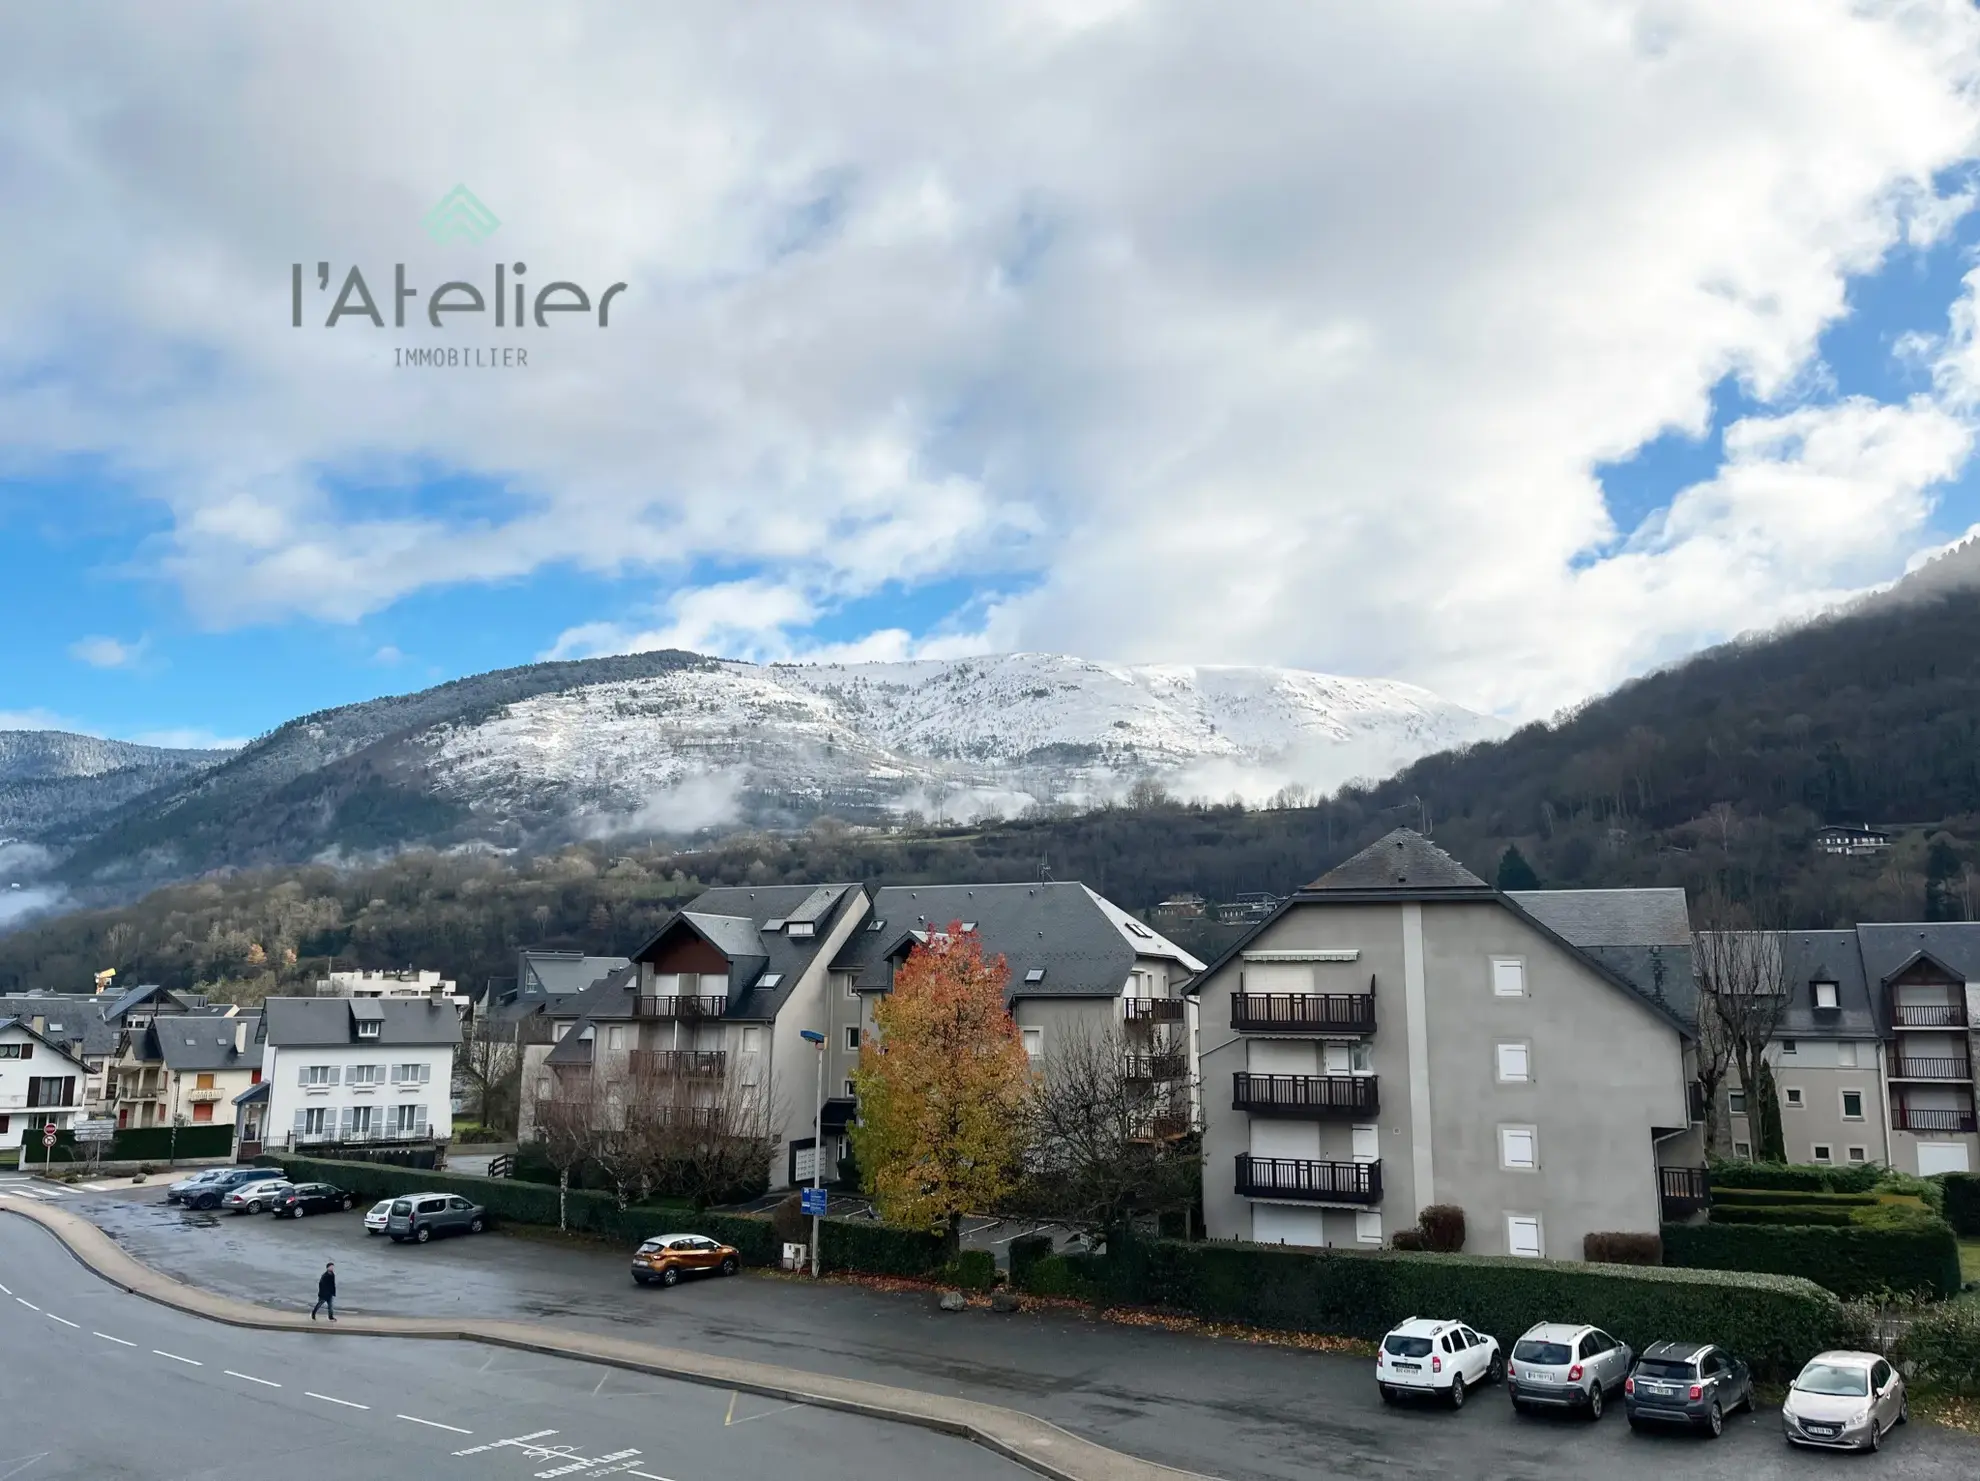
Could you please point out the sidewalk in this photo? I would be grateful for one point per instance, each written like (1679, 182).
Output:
(1030, 1441)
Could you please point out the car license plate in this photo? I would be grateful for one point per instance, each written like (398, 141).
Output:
(1410, 1367)
(1826, 1431)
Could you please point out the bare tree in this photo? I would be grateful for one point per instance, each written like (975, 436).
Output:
(565, 1121)
(1715, 1065)
(491, 1063)
(1106, 1139)
(1742, 975)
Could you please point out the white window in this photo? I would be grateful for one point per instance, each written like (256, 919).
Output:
(852, 1038)
(364, 1074)
(1742, 1149)
(752, 1041)
(1852, 1105)
(543, 1087)
(851, 1089)
(557, 1032)
(1367, 1228)
(1846, 1054)
(801, 928)
(409, 1119)
(315, 1120)
(411, 1074)
(1825, 995)
(1361, 1059)
(1034, 1041)
(357, 1121)
(1514, 1068)
(1508, 977)
(615, 1036)
(1737, 1099)
(1823, 1152)
(1519, 1147)
(1858, 1154)
(1793, 1094)
(1788, 1046)
(319, 1076)
(1523, 1236)
(368, 1028)
(852, 993)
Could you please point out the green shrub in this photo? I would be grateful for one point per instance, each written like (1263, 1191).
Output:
(1929, 1191)
(1442, 1227)
(1622, 1249)
(1080, 1277)
(873, 1248)
(1962, 1203)
(1945, 1344)
(751, 1235)
(971, 1270)
(1789, 1198)
(1806, 1177)
(1880, 1250)
(1736, 1213)
(1026, 1251)
(1407, 1239)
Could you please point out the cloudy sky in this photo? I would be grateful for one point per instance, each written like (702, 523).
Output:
(1505, 348)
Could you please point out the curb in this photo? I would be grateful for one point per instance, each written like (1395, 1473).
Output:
(1037, 1444)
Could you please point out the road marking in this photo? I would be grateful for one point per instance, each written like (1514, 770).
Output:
(63, 1320)
(730, 1418)
(648, 1475)
(27, 1303)
(519, 1440)
(189, 1362)
(435, 1424)
(118, 1340)
(328, 1400)
(6, 1290)
(601, 1382)
(271, 1383)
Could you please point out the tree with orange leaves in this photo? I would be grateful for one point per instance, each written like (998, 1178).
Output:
(942, 1091)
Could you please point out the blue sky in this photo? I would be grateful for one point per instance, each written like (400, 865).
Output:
(1501, 355)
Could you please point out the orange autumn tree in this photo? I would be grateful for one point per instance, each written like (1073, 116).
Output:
(942, 1092)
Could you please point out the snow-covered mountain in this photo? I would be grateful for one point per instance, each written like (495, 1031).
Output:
(56, 776)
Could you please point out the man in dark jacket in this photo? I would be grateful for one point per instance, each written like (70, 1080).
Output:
(326, 1291)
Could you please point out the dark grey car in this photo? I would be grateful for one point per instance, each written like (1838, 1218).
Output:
(420, 1216)
(1689, 1383)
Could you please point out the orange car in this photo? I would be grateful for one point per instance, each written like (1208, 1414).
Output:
(666, 1258)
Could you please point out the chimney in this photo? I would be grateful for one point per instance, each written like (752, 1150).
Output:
(240, 1036)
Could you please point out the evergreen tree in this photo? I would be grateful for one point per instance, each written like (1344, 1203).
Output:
(1514, 872)
(1941, 871)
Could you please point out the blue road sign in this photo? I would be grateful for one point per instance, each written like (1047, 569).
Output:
(812, 1201)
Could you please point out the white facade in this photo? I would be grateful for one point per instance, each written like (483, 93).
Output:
(357, 1092)
(39, 1084)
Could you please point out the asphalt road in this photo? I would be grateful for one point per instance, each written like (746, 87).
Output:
(107, 1385)
(1237, 1410)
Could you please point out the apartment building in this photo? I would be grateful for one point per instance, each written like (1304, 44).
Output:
(1399, 1033)
(74, 1021)
(189, 1066)
(391, 982)
(1873, 1054)
(40, 1085)
(1078, 965)
(350, 1071)
(713, 1006)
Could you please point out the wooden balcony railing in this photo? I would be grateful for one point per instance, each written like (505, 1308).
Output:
(1303, 1013)
(1322, 1182)
(670, 1063)
(1157, 1066)
(1937, 1067)
(1928, 1015)
(1305, 1095)
(1683, 1191)
(1152, 1010)
(1905, 1118)
(680, 1006)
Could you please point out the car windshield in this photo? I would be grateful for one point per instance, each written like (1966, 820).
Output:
(1406, 1347)
(1835, 1379)
(1648, 1369)
(402, 1206)
(1547, 1354)
(650, 1246)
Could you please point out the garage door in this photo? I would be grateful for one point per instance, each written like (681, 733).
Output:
(1941, 1157)
(1271, 1224)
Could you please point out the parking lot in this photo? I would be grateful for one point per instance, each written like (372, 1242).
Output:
(1222, 1408)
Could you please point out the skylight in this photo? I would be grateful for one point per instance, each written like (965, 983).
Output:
(1036, 974)
(770, 979)
(801, 928)
(969, 925)
(876, 924)
(774, 925)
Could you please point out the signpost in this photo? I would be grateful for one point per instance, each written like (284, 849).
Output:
(812, 1202)
(48, 1135)
(95, 1129)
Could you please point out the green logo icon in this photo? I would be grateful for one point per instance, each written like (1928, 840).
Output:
(460, 218)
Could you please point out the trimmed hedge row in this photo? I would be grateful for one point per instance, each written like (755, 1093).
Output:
(1806, 1177)
(1760, 1213)
(1878, 1251)
(1963, 1203)
(1774, 1322)
(1788, 1197)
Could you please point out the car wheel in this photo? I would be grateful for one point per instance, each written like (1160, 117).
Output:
(347, 1205)
(423, 1233)
(1388, 1394)
(671, 1276)
(1495, 1371)
(398, 1239)
(641, 1280)
(1876, 1440)
(730, 1265)
(370, 1232)
(1634, 1422)
(1904, 1410)
(1457, 1391)
(474, 1226)
(1715, 1420)
(1519, 1406)
(1595, 1403)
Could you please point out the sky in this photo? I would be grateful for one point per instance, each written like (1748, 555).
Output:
(1509, 350)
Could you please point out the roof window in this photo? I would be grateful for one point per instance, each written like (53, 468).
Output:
(770, 979)
(774, 925)
(1036, 974)
(876, 924)
(800, 928)
(969, 925)
(368, 1028)
(1825, 995)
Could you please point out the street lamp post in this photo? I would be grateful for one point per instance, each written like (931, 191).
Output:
(812, 1036)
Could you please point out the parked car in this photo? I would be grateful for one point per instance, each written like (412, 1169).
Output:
(177, 1192)
(376, 1215)
(209, 1193)
(252, 1198)
(422, 1215)
(1844, 1401)
(311, 1198)
(1435, 1357)
(1686, 1383)
(1558, 1365)
(665, 1258)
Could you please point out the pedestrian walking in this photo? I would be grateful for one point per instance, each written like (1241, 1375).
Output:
(326, 1291)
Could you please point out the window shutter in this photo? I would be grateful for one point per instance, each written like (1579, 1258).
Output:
(302, 1074)
(350, 1115)
(419, 1121)
(425, 1073)
(302, 1120)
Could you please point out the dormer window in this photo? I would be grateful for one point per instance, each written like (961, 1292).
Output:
(1825, 995)
(799, 928)
(876, 924)
(368, 1028)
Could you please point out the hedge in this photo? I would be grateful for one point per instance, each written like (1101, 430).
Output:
(144, 1144)
(1622, 1249)
(1806, 1177)
(1774, 1322)
(1789, 1197)
(1945, 1346)
(873, 1248)
(1963, 1203)
(1879, 1251)
(1760, 1213)
(971, 1270)
(1026, 1251)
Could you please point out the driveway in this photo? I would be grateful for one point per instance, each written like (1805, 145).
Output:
(1222, 1408)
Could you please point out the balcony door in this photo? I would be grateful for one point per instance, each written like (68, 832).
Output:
(1937, 1157)
(1275, 1138)
(1274, 1223)
(1281, 1057)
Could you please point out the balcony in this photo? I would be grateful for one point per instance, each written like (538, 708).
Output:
(1683, 1191)
(1952, 1067)
(1928, 1015)
(1156, 1067)
(673, 1064)
(1303, 1013)
(1305, 1095)
(1166, 1126)
(680, 1006)
(1317, 1182)
(1151, 1010)
(1904, 1118)
(209, 1094)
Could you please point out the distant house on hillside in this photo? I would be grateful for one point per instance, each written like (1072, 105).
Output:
(1182, 907)
(1851, 842)
(1247, 909)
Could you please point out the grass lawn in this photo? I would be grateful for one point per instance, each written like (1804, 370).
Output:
(1969, 1258)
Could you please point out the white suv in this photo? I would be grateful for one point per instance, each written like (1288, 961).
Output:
(1436, 1357)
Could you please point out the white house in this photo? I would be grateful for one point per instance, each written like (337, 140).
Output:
(40, 1082)
(351, 1070)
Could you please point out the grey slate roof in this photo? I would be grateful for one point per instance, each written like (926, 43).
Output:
(300, 1023)
(1085, 947)
(1826, 956)
(138, 996)
(212, 1046)
(559, 973)
(1403, 858)
(27, 1028)
(1652, 917)
(83, 1028)
(1888, 948)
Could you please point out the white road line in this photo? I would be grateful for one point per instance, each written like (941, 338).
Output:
(189, 1362)
(647, 1474)
(27, 1303)
(6, 1290)
(452, 1429)
(118, 1340)
(271, 1383)
(328, 1400)
(63, 1320)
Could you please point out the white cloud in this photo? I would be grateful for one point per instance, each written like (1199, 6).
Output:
(1281, 334)
(189, 738)
(108, 653)
(39, 719)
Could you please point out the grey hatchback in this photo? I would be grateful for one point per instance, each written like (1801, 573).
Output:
(420, 1216)
(1690, 1383)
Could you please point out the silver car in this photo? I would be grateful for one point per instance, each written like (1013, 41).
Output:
(252, 1198)
(1558, 1366)
(420, 1216)
(1844, 1401)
